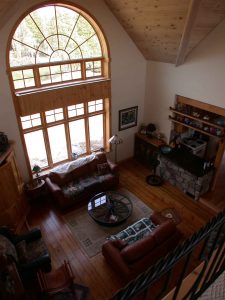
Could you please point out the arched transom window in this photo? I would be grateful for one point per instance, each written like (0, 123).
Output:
(59, 43)
(58, 66)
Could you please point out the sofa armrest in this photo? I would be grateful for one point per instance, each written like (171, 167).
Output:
(114, 168)
(30, 236)
(53, 187)
(113, 256)
(56, 191)
(157, 218)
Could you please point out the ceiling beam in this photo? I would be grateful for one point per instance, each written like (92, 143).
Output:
(190, 21)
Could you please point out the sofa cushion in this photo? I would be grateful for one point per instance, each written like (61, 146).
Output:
(80, 172)
(88, 182)
(164, 231)
(36, 249)
(60, 178)
(138, 249)
(92, 166)
(21, 249)
(105, 178)
(103, 169)
(7, 248)
(72, 189)
(101, 157)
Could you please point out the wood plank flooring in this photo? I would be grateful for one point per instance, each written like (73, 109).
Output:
(94, 272)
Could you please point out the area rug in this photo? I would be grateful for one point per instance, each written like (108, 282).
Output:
(91, 235)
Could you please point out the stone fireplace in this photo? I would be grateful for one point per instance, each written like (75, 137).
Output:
(192, 181)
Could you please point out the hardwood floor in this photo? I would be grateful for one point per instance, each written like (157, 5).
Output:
(216, 199)
(94, 272)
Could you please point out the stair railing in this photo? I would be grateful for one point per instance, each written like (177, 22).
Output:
(202, 256)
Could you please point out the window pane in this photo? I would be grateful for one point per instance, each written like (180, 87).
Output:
(96, 132)
(19, 84)
(17, 75)
(31, 121)
(75, 110)
(28, 73)
(57, 140)
(36, 148)
(77, 136)
(95, 105)
(54, 115)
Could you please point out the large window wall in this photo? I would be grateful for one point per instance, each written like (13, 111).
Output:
(59, 73)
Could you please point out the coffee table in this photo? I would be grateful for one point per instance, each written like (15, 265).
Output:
(110, 208)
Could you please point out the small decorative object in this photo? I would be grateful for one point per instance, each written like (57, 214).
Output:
(3, 141)
(115, 140)
(150, 129)
(172, 214)
(142, 129)
(206, 117)
(128, 118)
(74, 155)
(36, 169)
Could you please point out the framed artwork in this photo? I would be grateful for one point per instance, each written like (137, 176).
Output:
(128, 117)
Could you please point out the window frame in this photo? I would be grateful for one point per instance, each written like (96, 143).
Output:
(105, 74)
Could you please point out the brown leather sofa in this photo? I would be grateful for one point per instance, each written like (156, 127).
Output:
(81, 179)
(130, 260)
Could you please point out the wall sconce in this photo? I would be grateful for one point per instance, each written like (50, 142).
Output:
(115, 140)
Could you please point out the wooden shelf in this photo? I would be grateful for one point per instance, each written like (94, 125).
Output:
(195, 128)
(197, 119)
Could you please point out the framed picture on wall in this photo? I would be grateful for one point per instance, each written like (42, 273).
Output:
(128, 117)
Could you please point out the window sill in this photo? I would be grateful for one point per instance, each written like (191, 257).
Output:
(59, 86)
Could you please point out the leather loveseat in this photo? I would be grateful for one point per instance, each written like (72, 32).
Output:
(81, 179)
(132, 259)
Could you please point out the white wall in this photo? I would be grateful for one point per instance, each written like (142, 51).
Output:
(201, 77)
(128, 72)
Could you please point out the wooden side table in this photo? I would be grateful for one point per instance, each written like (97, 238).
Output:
(35, 189)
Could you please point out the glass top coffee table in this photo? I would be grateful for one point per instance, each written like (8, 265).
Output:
(110, 208)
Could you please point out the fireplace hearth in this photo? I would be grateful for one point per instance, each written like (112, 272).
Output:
(185, 171)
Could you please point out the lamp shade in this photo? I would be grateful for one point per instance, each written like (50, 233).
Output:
(115, 140)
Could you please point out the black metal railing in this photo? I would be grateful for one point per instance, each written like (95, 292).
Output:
(202, 255)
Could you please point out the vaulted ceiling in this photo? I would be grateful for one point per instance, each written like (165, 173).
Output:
(163, 30)
(167, 30)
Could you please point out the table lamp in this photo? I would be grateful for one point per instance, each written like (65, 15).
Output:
(115, 140)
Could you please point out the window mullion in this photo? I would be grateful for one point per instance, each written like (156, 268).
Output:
(46, 139)
(104, 126)
(36, 76)
(83, 70)
(67, 130)
(86, 121)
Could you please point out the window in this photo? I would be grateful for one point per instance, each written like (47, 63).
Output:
(59, 70)
(58, 44)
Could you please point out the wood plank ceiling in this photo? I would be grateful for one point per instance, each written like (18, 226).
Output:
(167, 30)
(163, 30)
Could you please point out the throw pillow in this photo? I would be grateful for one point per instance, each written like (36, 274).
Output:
(103, 169)
(21, 248)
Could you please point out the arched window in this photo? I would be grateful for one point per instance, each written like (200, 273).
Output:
(59, 70)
